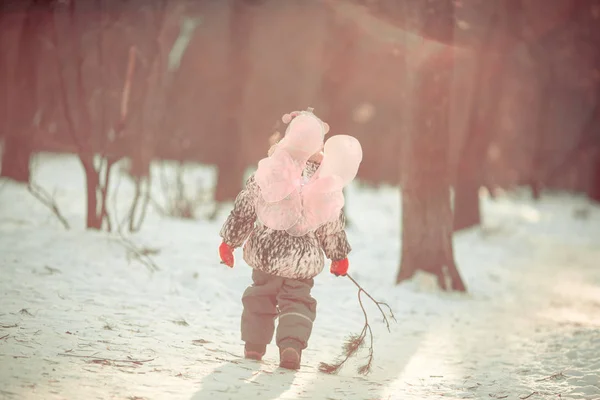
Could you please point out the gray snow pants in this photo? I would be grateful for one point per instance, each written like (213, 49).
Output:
(271, 297)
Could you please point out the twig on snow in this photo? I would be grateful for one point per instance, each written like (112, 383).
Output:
(355, 342)
(5, 336)
(98, 359)
(553, 376)
(528, 396)
(46, 199)
(142, 255)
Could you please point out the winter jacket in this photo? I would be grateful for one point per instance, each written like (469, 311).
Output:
(277, 252)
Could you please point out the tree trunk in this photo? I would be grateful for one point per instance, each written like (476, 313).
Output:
(594, 193)
(340, 59)
(231, 164)
(16, 156)
(545, 83)
(22, 102)
(471, 164)
(92, 182)
(426, 211)
(482, 117)
(467, 212)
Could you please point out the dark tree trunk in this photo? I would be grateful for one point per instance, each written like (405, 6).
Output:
(16, 156)
(426, 211)
(467, 212)
(482, 117)
(469, 175)
(545, 83)
(231, 164)
(594, 193)
(339, 55)
(22, 104)
(92, 182)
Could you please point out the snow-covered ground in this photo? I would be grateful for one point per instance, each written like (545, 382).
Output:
(80, 318)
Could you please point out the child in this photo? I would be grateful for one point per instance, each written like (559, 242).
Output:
(283, 270)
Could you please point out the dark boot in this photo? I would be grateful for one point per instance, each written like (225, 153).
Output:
(289, 358)
(254, 351)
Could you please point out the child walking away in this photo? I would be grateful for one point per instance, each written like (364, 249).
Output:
(288, 217)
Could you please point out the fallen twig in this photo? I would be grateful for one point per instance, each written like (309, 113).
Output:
(553, 376)
(142, 255)
(101, 359)
(5, 336)
(46, 199)
(528, 396)
(355, 342)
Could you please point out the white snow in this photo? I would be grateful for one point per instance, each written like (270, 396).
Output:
(530, 325)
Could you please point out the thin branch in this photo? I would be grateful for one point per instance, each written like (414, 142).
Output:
(553, 376)
(137, 181)
(528, 396)
(377, 303)
(143, 255)
(46, 199)
(355, 342)
(144, 206)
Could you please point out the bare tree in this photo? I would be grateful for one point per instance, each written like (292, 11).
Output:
(594, 192)
(485, 101)
(150, 103)
(426, 211)
(88, 107)
(21, 93)
(231, 165)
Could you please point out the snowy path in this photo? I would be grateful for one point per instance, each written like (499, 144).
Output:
(76, 314)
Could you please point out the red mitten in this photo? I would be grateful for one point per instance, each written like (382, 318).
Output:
(226, 254)
(339, 267)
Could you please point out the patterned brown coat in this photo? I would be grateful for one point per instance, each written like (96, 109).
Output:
(277, 252)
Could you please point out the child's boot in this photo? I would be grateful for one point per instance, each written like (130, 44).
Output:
(289, 358)
(254, 351)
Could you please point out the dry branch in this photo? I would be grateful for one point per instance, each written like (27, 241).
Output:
(528, 396)
(356, 342)
(141, 254)
(553, 376)
(46, 199)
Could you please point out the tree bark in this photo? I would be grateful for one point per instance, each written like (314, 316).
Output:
(231, 163)
(339, 55)
(426, 211)
(483, 116)
(469, 175)
(594, 193)
(22, 104)
(16, 157)
(92, 183)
